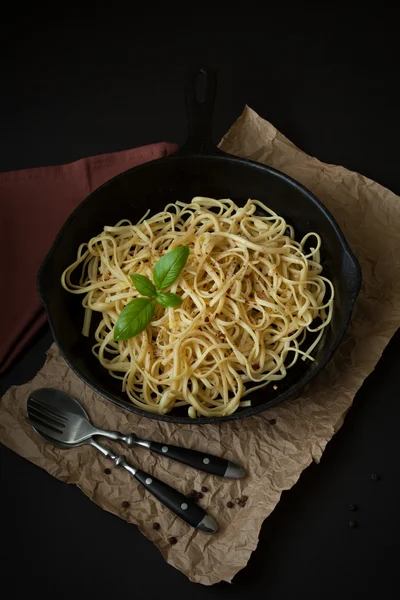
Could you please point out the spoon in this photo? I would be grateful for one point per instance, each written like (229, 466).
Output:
(64, 431)
(80, 428)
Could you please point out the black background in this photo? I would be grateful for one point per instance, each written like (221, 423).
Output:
(107, 81)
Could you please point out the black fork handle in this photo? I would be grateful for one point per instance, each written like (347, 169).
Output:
(184, 507)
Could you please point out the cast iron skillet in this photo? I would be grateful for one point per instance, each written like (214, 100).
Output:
(198, 168)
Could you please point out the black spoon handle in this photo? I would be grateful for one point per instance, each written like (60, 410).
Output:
(199, 460)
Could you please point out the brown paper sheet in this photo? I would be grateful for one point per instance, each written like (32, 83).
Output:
(273, 454)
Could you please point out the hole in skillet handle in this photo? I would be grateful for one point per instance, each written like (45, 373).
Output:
(201, 86)
(200, 92)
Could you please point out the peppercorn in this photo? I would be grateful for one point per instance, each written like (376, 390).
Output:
(352, 524)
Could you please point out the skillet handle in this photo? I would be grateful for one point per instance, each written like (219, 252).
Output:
(199, 110)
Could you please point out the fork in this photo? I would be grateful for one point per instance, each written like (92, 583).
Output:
(73, 420)
(63, 431)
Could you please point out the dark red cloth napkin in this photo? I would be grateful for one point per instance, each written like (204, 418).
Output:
(34, 203)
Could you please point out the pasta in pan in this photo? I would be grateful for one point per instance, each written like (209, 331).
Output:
(250, 295)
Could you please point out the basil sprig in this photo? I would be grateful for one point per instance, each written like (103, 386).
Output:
(134, 317)
(138, 313)
(167, 269)
(143, 285)
(168, 300)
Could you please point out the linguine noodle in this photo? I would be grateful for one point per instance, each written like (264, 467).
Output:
(250, 294)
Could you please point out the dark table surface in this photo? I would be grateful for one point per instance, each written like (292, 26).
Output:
(329, 81)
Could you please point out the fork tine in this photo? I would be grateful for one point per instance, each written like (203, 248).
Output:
(39, 414)
(49, 408)
(42, 427)
(43, 408)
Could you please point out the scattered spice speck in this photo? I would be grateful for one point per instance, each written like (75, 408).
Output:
(352, 524)
(107, 471)
(242, 500)
(230, 504)
(204, 489)
(173, 541)
(125, 504)
(156, 526)
(272, 421)
(195, 494)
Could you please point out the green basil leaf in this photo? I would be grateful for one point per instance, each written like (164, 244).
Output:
(143, 285)
(168, 268)
(134, 317)
(168, 300)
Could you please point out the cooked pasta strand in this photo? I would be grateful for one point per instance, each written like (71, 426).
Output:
(250, 294)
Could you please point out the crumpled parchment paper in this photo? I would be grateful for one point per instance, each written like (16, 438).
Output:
(275, 446)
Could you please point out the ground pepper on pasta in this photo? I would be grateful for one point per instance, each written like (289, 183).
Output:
(250, 294)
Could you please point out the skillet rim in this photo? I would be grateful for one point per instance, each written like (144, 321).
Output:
(246, 412)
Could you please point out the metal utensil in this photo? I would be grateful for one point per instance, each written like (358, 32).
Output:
(65, 432)
(75, 426)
